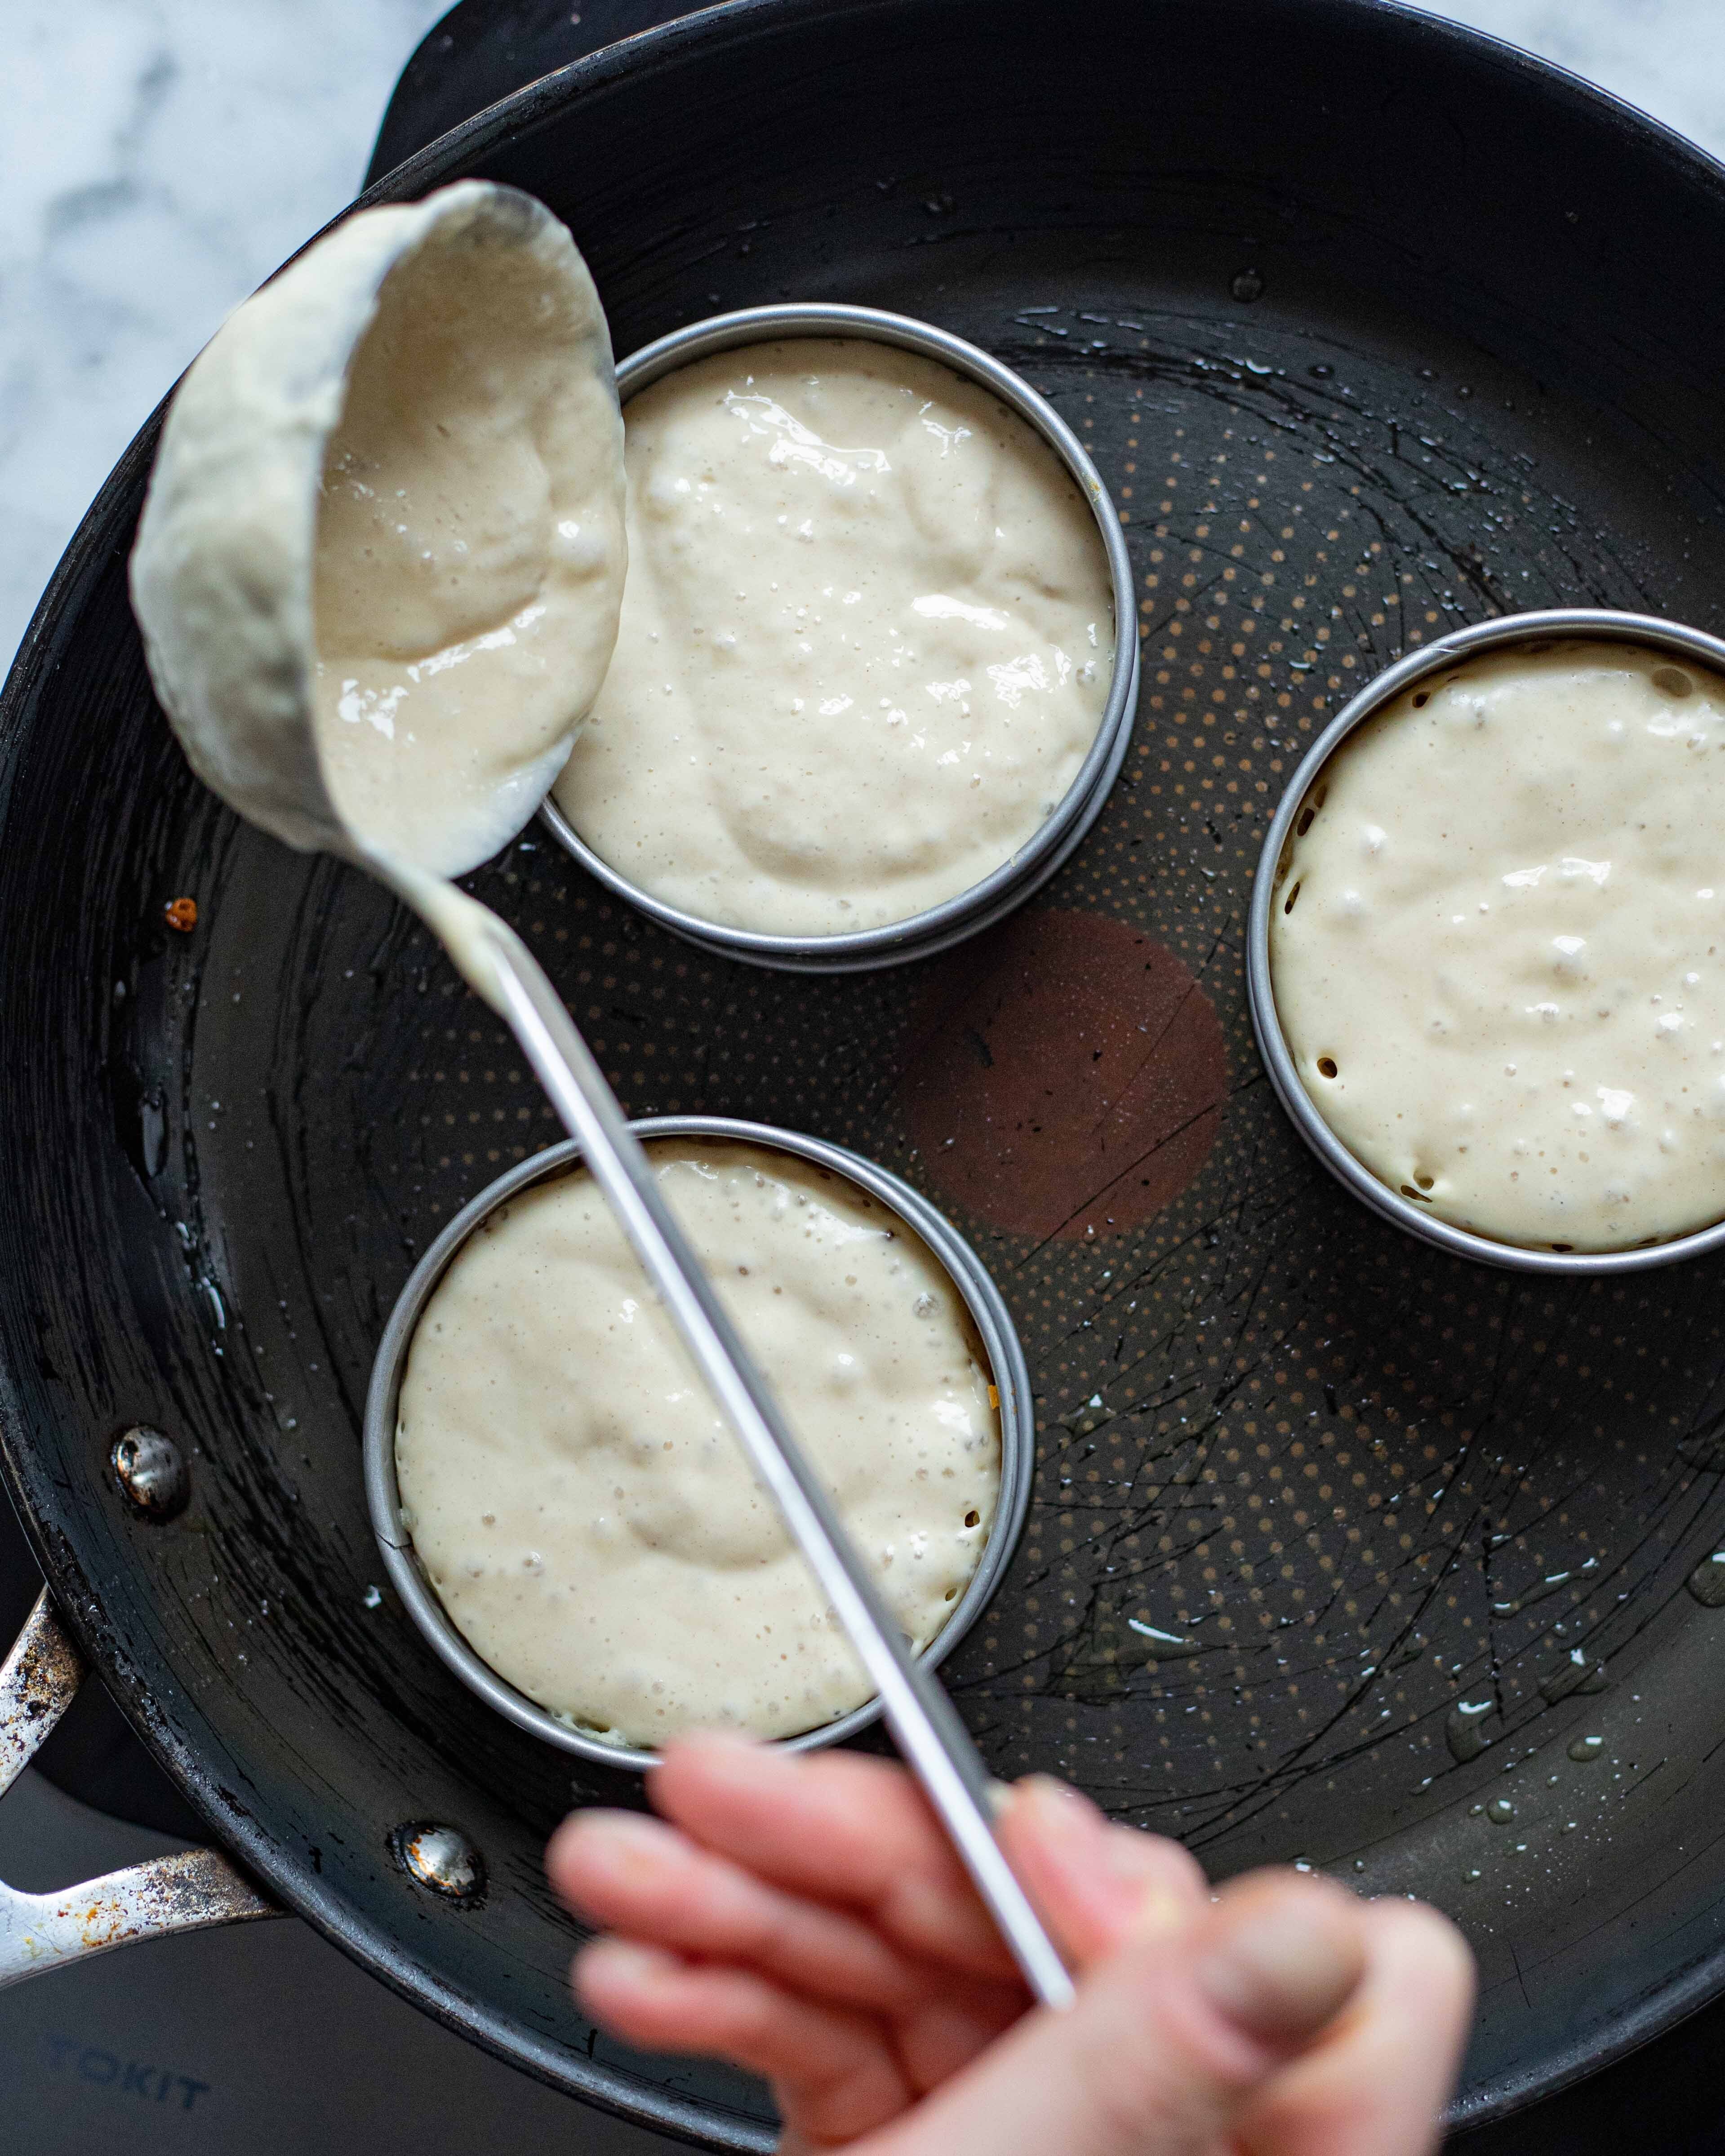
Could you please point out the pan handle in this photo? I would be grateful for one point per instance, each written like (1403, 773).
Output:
(184, 1892)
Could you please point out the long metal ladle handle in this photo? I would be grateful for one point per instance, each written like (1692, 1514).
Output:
(922, 1719)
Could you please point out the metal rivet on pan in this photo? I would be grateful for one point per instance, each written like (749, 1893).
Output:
(441, 1858)
(152, 1472)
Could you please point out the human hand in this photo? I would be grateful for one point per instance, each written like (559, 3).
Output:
(805, 1917)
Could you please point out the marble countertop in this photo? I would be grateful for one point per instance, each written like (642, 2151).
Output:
(160, 158)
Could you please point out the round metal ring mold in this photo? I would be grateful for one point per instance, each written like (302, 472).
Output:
(1557, 625)
(982, 1298)
(939, 926)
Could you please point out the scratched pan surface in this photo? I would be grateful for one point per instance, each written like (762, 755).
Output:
(1340, 1550)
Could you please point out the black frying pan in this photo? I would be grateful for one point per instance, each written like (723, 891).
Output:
(1374, 327)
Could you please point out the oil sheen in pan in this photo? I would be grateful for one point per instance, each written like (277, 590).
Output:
(982, 1299)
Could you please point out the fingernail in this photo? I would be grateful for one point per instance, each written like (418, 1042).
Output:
(1159, 1914)
(1283, 1966)
(1131, 1855)
(626, 1961)
(624, 1839)
(610, 1821)
(1133, 1859)
(1000, 1795)
(1058, 1802)
(713, 1740)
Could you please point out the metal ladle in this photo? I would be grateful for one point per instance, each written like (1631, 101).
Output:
(924, 1723)
(223, 584)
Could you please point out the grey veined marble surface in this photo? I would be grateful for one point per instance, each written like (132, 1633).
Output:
(158, 158)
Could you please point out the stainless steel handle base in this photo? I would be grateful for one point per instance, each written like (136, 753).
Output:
(186, 1892)
(923, 1721)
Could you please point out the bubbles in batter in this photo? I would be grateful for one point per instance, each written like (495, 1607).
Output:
(1498, 947)
(866, 640)
(584, 1512)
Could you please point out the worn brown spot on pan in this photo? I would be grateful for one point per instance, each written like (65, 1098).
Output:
(1068, 1076)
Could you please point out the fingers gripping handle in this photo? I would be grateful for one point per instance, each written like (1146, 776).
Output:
(188, 1891)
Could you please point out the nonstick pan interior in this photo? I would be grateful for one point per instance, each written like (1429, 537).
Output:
(1340, 1550)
